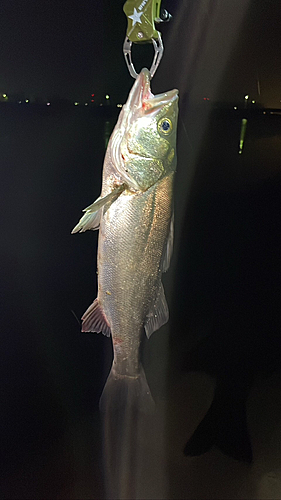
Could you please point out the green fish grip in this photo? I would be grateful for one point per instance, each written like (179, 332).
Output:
(141, 16)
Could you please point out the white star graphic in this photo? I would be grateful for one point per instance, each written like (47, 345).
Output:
(136, 16)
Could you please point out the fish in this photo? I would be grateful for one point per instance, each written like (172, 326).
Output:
(134, 215)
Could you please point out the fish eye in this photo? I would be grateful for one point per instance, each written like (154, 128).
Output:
(165, 126)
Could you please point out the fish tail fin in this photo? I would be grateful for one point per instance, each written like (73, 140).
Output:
(125, 392)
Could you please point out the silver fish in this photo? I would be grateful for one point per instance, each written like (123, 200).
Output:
(135, 220)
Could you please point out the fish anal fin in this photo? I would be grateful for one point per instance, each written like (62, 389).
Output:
(94, 320)
(159, 315)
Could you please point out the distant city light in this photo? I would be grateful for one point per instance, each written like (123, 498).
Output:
(206, 98)
(4, 95)
(246, 97)
(100, 104)
(86, 104)
(234, 107)
(76, 103)
(26, 100)
(253, 102)
(92, 95)
(107, 96)
(119, 105)
(92, 100)
(19, 102)
(48, 104)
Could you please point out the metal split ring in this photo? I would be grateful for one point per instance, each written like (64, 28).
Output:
(158, 53)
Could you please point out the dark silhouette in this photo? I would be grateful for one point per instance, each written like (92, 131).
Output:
(234, 248)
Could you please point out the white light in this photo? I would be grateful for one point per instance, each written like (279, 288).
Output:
(86, 104)
(246, 97)
(107, 96)
(234, 107)
(26, 100)
(4, 95)
(100, 104)
(48, 104)
(19, 102)
(76, 103)
(119, 105)
(253, 102)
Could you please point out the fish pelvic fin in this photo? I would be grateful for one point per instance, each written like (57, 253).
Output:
(91, 218)
(159, 314)
(94, 320)
(123, 392)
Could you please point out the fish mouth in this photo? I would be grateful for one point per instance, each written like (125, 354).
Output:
(157, 102)
(149, 100)
(142, 98)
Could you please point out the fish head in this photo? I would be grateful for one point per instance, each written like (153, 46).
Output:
(145, 140)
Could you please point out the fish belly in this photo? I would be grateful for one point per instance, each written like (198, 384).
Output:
(132, 235)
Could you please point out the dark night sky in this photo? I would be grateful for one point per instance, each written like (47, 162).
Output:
(74, 47)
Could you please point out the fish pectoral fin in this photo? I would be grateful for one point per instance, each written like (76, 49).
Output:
(111, 197)
(91, 219)
(159, 315)
(168, 249)
(88, 221)
(94, 320)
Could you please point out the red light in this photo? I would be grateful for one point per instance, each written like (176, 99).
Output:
(92, 100)
(92, 95)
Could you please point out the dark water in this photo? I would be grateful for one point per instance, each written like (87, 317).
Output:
(51, 378)
(225, 280)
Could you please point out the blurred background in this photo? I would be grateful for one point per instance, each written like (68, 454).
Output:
(63, 80)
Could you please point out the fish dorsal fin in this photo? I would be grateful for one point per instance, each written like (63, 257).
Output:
(94, 320)
(168, 249)
(91, 219)
(159, 315)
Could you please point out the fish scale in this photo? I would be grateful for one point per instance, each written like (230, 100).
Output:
(129, 284)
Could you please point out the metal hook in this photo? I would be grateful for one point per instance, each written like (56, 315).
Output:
(158, 53)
